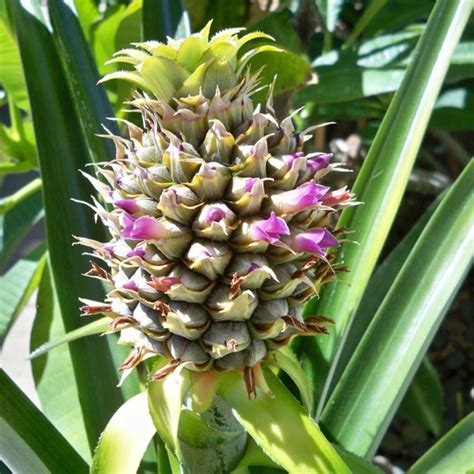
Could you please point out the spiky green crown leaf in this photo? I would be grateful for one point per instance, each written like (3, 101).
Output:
(190, 67)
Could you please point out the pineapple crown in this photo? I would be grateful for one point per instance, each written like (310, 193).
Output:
(220, 227)
(194, 66)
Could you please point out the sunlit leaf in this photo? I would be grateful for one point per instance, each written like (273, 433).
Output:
(125, 438)
(95, 327)
(288, 435)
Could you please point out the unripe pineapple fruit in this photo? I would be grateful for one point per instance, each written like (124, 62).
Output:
(219, 226)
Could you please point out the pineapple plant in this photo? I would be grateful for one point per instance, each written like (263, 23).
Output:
(220, 228)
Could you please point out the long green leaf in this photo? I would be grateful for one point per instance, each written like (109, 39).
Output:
(92, 104)
(11, 74)
(425, 393)
(17, 285)
(125, 438)
(29, 443)
(95, 327)
(62, 152)
(16, 222)
(423, 401)
(281, 427)
(162, 18)
(378, 287)
(452, 453)
(373, 384)
(384, 175)
(53, 373)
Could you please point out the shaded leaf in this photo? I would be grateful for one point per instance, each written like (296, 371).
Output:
(17, 285)
(53, 373)
(377, 66)
(16, 223)
(165, 18)
(211, 442)
(29, 442)
(452, 453)
(93, 106)
(423, 401)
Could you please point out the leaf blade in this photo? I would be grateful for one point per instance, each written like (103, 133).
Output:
(58, 136)
(385, 173)
(452, 453)
(28, 440)
(16, 287)
(405, 323)
(125, 438)
(288, 436)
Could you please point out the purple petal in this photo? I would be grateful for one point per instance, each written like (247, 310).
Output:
(213, 214)
(253, 266)
(128, 205)
(314, 241)
(319, 161)
(269, 229)
(301, 198)
(130, 285)
(290, 159)
(143, 228)
(136, 252)
(249, 183)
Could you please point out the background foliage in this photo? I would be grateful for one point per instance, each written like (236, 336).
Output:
(401, 91)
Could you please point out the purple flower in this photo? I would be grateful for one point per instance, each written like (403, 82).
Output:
(318, 161)
(136, 252)
(290, 159)
(128, 205)
(143, 228)
(314, 241)
(249, 183)
(213, 214)
(269, 229)
(299, 199)
(130, 285)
